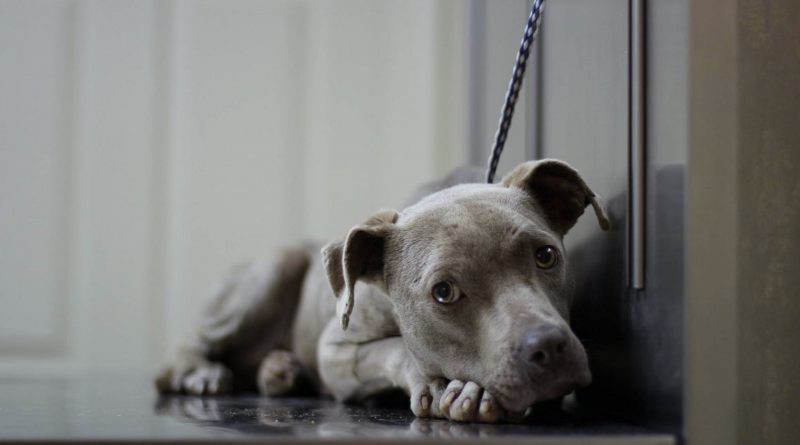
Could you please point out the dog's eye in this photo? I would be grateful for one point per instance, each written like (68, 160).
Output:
(546, 257)
(445, 293)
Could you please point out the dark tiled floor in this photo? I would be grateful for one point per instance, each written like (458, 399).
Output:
(112, 407)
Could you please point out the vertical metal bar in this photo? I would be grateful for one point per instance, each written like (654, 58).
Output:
(533, 97)
(636, 205)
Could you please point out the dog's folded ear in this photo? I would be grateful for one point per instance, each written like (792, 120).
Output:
(559, 190)
(358, 257)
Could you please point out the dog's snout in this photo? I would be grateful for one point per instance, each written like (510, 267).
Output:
(543, 346)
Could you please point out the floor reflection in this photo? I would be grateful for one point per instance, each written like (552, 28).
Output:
(328, 419)
(110, 407)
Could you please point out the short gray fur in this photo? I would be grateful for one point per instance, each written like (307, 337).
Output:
(365, 317)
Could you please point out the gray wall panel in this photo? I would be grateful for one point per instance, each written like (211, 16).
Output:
(634, 339)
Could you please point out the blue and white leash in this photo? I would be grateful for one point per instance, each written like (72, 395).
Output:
(531, 27)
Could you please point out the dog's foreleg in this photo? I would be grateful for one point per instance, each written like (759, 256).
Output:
(353, 368)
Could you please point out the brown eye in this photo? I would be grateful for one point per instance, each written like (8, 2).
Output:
(546, 257)
(445, 293)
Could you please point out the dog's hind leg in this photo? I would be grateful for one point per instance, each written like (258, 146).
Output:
(250, 315)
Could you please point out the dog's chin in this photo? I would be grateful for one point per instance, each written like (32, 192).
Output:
(524, 398)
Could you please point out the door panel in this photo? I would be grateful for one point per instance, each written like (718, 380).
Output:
(634, 338)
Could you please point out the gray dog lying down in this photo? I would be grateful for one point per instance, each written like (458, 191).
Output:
(461, 300)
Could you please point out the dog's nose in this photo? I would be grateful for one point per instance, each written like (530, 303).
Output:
(543, 346)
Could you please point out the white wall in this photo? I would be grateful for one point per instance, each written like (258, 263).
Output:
(145, 146)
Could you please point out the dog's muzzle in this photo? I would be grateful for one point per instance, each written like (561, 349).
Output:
(554, 360)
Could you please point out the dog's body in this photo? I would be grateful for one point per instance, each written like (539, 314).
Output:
(463, 302)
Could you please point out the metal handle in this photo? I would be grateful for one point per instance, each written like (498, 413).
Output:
(636, 187)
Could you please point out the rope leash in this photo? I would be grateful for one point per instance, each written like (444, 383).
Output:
(514, 85)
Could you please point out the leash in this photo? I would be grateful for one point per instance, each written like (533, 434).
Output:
(514, 85)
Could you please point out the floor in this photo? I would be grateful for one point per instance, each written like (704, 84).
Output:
(104, 408)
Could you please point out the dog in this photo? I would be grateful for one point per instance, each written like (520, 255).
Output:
(461, 301)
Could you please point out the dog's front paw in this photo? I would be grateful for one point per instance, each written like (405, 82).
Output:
(468, 402)
(459, 401)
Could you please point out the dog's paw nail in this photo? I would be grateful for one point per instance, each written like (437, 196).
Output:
(486, 407)
(449, 398)
(425, 402)
(466, 404)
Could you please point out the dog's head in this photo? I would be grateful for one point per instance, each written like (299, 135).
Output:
(479, 280)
